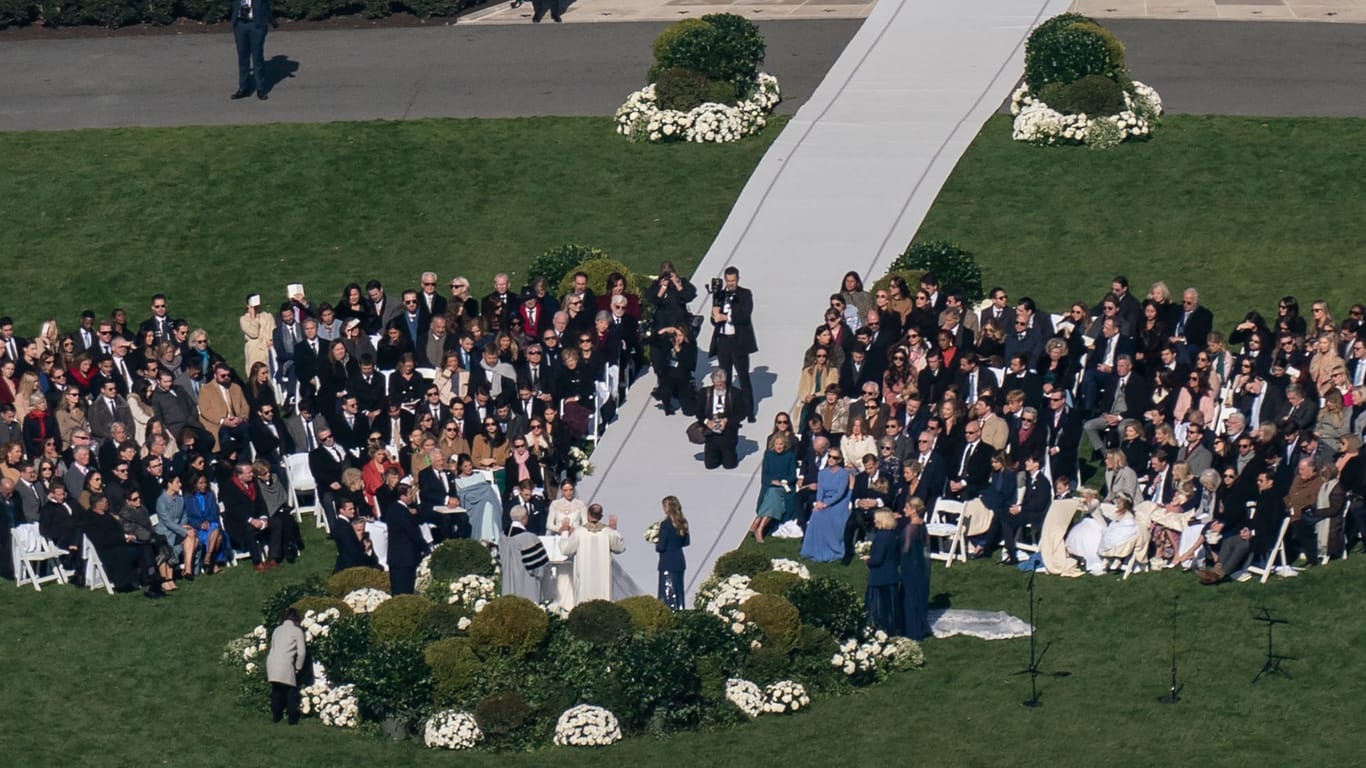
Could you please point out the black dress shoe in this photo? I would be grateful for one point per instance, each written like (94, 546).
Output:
(557, 19)
(239, 94)
(262, 95)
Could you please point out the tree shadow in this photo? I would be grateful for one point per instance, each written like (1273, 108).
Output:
(278, 68)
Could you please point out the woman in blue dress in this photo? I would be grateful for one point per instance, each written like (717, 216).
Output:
(824, 541)
(673, 537)
(777, 480)
(880, 599)
(201, 512)
(481, 501)
(915, 572)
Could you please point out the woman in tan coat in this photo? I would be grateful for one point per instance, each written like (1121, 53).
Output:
(258, 331)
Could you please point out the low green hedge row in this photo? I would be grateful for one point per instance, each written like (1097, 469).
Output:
(122, 13)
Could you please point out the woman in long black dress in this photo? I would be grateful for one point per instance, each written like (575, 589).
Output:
(880, 599)
(915, 572)
(122, 561)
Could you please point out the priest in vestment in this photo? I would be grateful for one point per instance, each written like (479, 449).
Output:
(592, 546)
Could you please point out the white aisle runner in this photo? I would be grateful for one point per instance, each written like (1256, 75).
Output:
(844, 186)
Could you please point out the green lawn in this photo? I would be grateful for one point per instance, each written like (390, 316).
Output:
(104, 218)
(1245, 209)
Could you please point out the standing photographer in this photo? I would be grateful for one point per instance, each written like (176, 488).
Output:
(732, 340)
(249, 20)
(670, 296)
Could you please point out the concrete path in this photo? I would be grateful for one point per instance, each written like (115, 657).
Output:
(844, 186)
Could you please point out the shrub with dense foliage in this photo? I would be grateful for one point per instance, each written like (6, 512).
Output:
(774, 582)
(289, 595)
(510, 624)
(648, 614)
(719, 47)
(460, 557)
(343, 582)
(681, 89)
(598, 270)
(1069, 47)
(743, 562)
(954, 268)
(777, 618)
(829, 604)
(562, 260)
(122, 13)
(1089, 95)
(444, 620)
(600, 622)
(454, 666)
(401, 618)
(319, 604)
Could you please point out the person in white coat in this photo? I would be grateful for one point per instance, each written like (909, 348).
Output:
(288, 649)
(592, 546)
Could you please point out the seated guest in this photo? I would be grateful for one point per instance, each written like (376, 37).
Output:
(532, 502)
(57, 522)
(125, 565)
(276, 496)
(354, 549)
(1100, 531)
(201, 512)
(173, 525)
(152, 549)
(247, 519)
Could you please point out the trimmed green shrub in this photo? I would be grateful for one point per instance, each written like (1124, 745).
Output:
(659, 689)
(18, 13)
(460, 557)
(392, 679)
(810, 661)
(160, 11)
(207, 11)
(722, 92)
(110, 14)
(728, 48)
(344, 582)
(709, 636)
(681, 89)
(744, 562)
(501, 714)
(666, 38)
(509, 624)
(648, 614)
(442, 620)
(1068, 47)
(597, 271)
(319, 604)
(911, 276)
(400, 618)
(274, 606)
(955, 268)
(561, 260)
(774, 582)
(349, 638)
(779, 619)
(600, 622)
(1092, 95)
(454, 667)
(767, 665)
(830, 604)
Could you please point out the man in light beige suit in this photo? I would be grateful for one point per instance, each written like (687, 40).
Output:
(223, 407)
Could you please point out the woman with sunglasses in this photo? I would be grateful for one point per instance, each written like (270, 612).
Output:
(777, 485)
(824, 540)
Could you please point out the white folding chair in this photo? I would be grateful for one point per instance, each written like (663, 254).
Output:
(954, 532)
(1277, 553)
(33, 553)
(95, 577)
(301, 481)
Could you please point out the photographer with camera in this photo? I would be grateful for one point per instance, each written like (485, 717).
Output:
(719, 416)
(249, 20)
(676, 365)
(732, 340)
(670, 296)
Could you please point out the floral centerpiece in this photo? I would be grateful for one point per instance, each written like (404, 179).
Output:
(784, 565)
(587, 726)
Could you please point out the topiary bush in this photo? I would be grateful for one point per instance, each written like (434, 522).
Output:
(401, 618)
(726, 47)
(392, 679)
(681, 89)
(744, 562)
(460, 557)
(509, 624)
(830, 604)
(351, 579)
(274, 606)
(561, 260)
(502, 714)
(955, 268)
(659, 688)
(779, 619)
(1068, 47)
(1091, 95)
(442, 620)
(454, 666)
(664, 41)
(774, 582)
(600, 622)
(648, 614)
(319, 604)
(597, 271)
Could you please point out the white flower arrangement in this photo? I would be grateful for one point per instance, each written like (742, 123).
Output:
(336, 707)
(587, 726)
(902, 653)
(579, 460)
(452, 729)
(244, 650)
(864, 657)
(863, 548)
(641, 119)
(472, 591)
(365, 599)
(784, 565)
(785, 697)
(316, 624)
(724, 597)
(652, 533)
(747, 696)
(424, 575)
(1038, 123)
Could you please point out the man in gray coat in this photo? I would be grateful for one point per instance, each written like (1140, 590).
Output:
(288, 649)
(526, 566)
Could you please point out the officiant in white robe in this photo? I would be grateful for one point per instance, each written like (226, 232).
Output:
(592, 546)
(526, 566)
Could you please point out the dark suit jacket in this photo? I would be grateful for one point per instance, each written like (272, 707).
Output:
(976, 473)
(238, 508)
(1137, 396)
(354, 436)
(369, 394)
(1197, 328)
(999, 492)
(932, 385)
(1066, 437)
(986, 378)
(1038, 496)
(350, 551)
(1123, 346)
(729, 409)
(406, 545)
(266, 444)
(431, 493)
(933, 475)
(306, 362)
(175, 408)
(325, 469)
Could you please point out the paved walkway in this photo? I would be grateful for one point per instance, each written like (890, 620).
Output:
(1344, 11)
(844, 186)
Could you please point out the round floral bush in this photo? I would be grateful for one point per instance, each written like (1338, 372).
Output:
(365, 599)
(1038, 123)
(336, 707)
(472, 591)
(876, 655)
(642, 119)
(316, 623)
(785, 697)
(587, 726)
(452, 729)
(747, 696)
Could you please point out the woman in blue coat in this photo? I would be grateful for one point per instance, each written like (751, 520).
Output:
(824, 540)
(880, 600)
(998, 497)
(777, 479)
(673, 537)
(915, 572)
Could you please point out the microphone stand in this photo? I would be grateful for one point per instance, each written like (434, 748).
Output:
(1034, 659)
(1174, 692)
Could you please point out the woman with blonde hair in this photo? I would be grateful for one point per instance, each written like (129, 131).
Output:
(915, 571)
(777, 482)
(883, 559)
(28, 387)
(258, 332)
(673, 537)
(1325, 360)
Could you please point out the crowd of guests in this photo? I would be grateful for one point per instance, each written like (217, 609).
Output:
(907, 393)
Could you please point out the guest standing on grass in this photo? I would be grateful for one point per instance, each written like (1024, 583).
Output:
(915, 573)
(288, 649)
(879, 601)
(673, 537)
(249, 20)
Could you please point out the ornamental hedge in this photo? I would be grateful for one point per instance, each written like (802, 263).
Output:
(714, 58)
(122, 13)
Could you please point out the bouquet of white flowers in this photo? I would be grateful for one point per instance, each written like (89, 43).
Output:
(863, 548)
(365, 599)
(316, 624)
(580, 463)
(790, 566)
(785, 696)
(652, 533)
(452, 729)
(587, 726)
(472, 591)
(745, 695)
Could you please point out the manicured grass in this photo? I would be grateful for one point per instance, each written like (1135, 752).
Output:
(95, 680)
(105, 218)
(1245, 209)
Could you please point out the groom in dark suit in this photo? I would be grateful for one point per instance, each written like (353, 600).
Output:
(249, 20)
